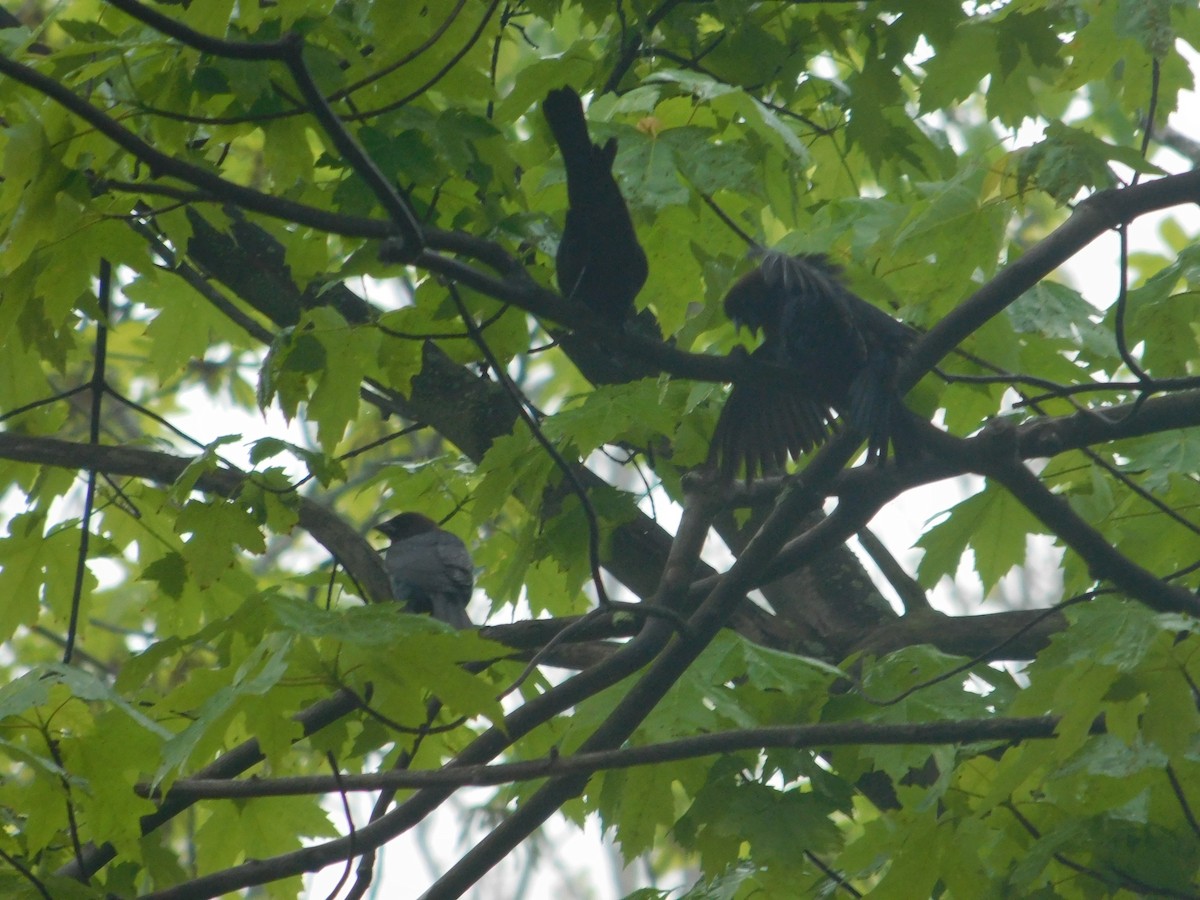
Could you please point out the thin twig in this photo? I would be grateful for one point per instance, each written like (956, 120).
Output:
(104, 297)
(337, 777)
(524, 410)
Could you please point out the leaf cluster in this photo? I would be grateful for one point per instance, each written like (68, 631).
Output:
(273, 272)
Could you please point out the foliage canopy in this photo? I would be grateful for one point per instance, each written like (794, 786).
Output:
(346, 213)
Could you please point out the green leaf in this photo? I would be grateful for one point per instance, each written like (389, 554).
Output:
(181, 332)
(261, 670)
(1070, 159)
(169, 572)
(992, 524)
(23, 560)
(640, 803)
(218, 530)
(1057, 311)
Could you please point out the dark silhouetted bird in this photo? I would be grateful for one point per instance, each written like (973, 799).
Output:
(824, 349)
(430, 569)
(599, 261)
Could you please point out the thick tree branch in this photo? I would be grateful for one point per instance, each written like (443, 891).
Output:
(1090, 219)
(261, 51)
(346, 545)
(1042, 438)
(164, 164)
(1104, 562)
(873, 486)
(1011, 634)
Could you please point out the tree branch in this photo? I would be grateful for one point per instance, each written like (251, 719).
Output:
(1091, 218)
(1104, 562)
(641, 699)
(231, 764)
(796, 737)
(346, 545)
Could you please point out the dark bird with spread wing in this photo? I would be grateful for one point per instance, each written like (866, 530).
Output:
(824, 350)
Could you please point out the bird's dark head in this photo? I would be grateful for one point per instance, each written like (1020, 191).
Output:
(751, 303)
(406, 525)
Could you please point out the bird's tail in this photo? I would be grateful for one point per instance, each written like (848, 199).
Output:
(444, 609)
(564, 113)
(877, 411)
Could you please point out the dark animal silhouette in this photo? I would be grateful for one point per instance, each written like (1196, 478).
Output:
(824, 350)
(599, 261)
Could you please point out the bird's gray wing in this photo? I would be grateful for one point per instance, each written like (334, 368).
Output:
(457, 568)
(433, 572)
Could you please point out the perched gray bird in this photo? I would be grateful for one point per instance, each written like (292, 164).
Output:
(430, 569)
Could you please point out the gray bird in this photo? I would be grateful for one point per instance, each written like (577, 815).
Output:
(430, 569)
